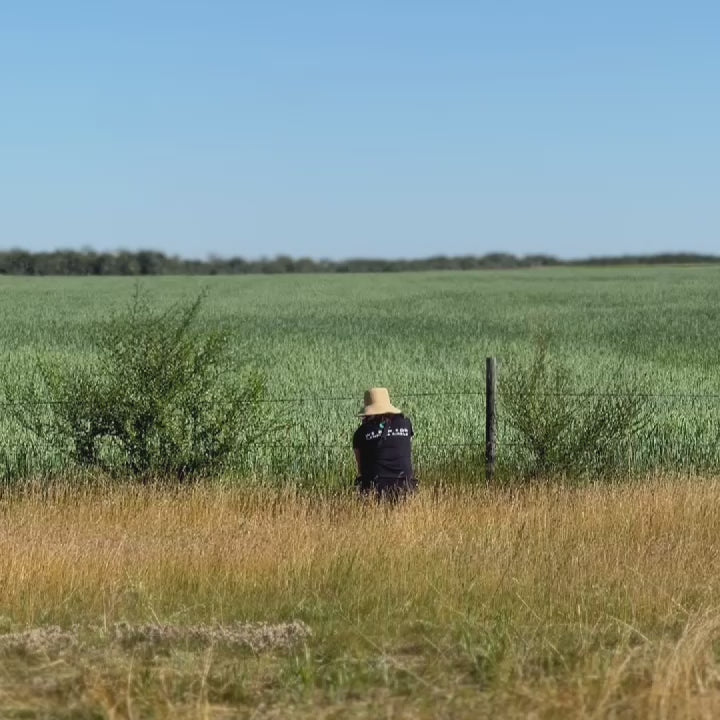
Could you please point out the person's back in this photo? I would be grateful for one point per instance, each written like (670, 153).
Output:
(382, 447)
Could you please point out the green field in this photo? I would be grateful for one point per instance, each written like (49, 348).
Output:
(323, 339)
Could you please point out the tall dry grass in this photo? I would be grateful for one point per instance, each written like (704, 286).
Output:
(548, 602)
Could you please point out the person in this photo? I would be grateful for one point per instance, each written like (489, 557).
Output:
(382, 446)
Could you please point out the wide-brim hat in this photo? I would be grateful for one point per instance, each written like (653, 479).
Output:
(377, 402)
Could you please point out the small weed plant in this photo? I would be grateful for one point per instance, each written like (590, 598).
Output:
(159, 398)
(570, 430)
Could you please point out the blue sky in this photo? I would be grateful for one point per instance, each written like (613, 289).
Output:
(343, 129)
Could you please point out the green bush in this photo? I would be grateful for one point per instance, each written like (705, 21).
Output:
(160, 397)
(566, 429)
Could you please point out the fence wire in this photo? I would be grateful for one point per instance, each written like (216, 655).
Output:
(456, 432)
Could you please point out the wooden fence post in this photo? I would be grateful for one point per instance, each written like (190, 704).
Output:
(490, 418)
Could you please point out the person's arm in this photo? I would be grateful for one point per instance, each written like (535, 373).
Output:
(356, 449)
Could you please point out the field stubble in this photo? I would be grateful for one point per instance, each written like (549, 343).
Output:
(546, 602)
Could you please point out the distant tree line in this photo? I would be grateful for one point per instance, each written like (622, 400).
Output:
(148, 262)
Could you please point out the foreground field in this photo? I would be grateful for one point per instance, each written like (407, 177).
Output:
(322, 340)
(138, 603)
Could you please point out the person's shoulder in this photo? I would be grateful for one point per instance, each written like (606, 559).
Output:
(402, 421)
(408, 424)
(358, 433)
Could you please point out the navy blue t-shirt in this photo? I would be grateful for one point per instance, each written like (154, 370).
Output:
(384, 446)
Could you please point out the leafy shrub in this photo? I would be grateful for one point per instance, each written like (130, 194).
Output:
(158, 398)
(569, 430)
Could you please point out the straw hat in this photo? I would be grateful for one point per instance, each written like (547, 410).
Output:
(377, 402)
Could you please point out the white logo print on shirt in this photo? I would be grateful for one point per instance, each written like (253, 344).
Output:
(392, 432)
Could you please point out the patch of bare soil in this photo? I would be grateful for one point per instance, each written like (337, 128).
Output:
(255, 637)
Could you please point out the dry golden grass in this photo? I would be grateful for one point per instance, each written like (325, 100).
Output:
(602, 602)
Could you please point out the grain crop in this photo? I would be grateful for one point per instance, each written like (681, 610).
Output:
(322, 340)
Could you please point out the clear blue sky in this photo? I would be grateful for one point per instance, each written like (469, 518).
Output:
(341, 129)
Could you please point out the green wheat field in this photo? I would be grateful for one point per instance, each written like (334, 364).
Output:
(321, 340)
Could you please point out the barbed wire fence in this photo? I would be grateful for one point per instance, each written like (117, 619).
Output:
(474, 437)
(463, 432)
